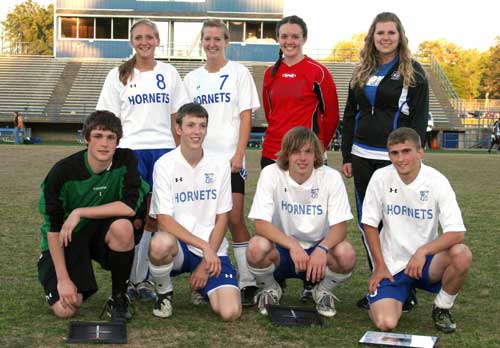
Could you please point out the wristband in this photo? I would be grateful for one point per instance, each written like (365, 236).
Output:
(323, 248)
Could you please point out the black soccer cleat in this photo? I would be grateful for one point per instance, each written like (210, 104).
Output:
(307, 292)
(118, 308)
(443, 320)
(363, 303)
(411, 301)
(248, 295)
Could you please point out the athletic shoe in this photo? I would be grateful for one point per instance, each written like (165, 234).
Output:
(267, 297)
(443, 320)
(325, 302)
(307, 292)
(163, 305)
(197, 298)
(117, 307)
(248, 295)
(411, 301)
(363, 303)
(146, 291)
(131, 291)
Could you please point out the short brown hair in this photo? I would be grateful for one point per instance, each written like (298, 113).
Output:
(400, 135)
(293, 141)
(192, 109)
(104, 120)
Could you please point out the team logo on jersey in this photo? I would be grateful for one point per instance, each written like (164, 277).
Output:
(209, 178)
(395, 190)
(288, 75)
(314, 192)
(178, 179)
(133, 85)
(396, 75)
(424, 196)
(100, 190)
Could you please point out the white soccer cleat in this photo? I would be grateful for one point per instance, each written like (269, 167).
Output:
(197, 298)
(268, 296)
(325, 302)
(163, 305)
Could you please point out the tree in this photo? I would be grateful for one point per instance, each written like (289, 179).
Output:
(463, 68)
(348, 50)
(490, 81)
(29, 28)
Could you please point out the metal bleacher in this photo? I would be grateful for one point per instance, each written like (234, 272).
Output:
(26, 84)
(66, 90)
(82, 97)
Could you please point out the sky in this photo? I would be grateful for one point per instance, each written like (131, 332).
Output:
(469, 24)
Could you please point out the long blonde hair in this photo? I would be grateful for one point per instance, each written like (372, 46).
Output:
(127, 69)
(369, 57)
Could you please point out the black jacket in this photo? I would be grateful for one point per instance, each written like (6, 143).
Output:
(368, 127)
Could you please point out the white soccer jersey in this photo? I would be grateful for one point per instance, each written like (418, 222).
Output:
(192, 196)
(145, 105)
(409, 213)
(225, 94)
(306, 212)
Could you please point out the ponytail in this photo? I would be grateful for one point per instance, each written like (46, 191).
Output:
(126, 70)
(277, 64)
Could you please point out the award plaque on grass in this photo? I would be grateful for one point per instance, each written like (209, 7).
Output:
(294, 316)
(391, 339)
(97, 332)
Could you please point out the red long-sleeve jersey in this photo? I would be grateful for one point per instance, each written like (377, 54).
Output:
(303, 94)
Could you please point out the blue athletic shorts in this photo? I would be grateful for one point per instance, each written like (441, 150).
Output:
(400, 289)
(227, 276)
(286, 268)
(146, 160)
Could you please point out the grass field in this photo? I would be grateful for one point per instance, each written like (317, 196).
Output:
(25, 320)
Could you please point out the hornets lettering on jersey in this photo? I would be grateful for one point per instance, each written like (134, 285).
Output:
(416, 213)
(302, 209)
(197, 195)
(221, 97)
(149, 98)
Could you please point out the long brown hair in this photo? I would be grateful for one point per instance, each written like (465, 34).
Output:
(291, 20)
(370, 58)
(127, 69)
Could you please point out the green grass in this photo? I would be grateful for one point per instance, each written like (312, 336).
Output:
(25, 320)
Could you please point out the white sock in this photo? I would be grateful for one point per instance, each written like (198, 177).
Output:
(332, 279)
(246, 278)
(264, 276)
(444, 300)
(139, 271)
(161, 277)
(133, 271)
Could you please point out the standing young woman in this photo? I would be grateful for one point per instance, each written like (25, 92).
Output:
(145, 94)
(297, 91)
(388, 90)
(227, 90)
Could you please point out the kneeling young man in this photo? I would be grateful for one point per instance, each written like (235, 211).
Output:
(300, 211)
(88, 201)
(191, 200)
(410, 198)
